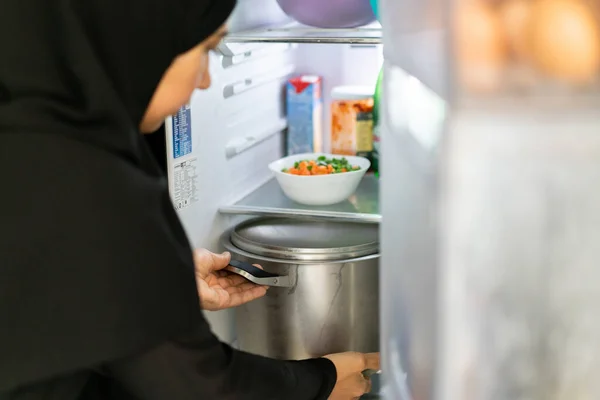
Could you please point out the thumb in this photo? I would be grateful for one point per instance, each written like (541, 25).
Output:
(373, 361)
(220, 261)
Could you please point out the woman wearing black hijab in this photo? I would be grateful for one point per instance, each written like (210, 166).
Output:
(99, 297)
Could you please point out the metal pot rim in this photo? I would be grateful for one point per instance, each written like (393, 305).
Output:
(298, 254)
(278, 258)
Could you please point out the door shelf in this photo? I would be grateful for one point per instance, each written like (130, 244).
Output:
(297, 33)
(269, 200)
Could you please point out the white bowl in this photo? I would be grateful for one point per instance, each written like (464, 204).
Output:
(319, 190)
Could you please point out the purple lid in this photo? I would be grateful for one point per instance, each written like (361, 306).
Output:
(329, 13)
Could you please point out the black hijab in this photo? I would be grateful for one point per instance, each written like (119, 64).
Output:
(94, 263)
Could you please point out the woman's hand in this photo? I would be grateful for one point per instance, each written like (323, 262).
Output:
(220, 289)
(351, 383)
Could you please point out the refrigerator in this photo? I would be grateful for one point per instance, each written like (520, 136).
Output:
(227, 135)
(487, 204)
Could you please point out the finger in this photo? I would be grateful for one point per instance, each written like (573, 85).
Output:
(202, 255)
(369, 385)
(363, 385)
(251, 288)
(237, 299)
(373, 361)
(200, 252)
(353, 361)
(205, 256)
(243, 287)
(222, 274)
(229, 280)
(220, 261)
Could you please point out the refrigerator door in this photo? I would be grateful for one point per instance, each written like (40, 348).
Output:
(412, 122)
(490, 231)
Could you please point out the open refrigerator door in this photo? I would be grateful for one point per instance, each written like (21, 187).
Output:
(491, 161)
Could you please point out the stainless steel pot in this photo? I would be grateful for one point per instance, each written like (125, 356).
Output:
(325, 286)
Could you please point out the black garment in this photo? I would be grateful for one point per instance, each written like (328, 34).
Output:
(187, 369)
(94, 263)
(158, 146)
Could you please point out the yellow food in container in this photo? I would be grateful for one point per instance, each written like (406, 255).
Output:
(352, 120)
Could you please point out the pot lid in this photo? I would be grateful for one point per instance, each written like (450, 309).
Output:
(306, 240)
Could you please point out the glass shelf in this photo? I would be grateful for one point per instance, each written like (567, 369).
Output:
(269, 200)
(297, 33)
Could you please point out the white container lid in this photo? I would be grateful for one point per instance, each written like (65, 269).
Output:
(352, 92)
(310, 78)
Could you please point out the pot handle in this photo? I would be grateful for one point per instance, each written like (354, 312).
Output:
(257, 275)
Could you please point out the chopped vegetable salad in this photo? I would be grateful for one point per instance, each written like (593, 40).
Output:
(321, 166)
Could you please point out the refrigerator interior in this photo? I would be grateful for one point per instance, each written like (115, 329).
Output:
(238, 125)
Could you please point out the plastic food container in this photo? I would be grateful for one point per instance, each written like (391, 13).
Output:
(352, 120)
(318, 190)
(329, 13)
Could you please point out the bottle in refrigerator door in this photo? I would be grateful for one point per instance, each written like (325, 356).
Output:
(377, 125)
(352, 121)
(304, 105)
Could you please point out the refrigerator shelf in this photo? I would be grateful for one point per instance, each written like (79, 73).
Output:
(297, 33)
(269, 200)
